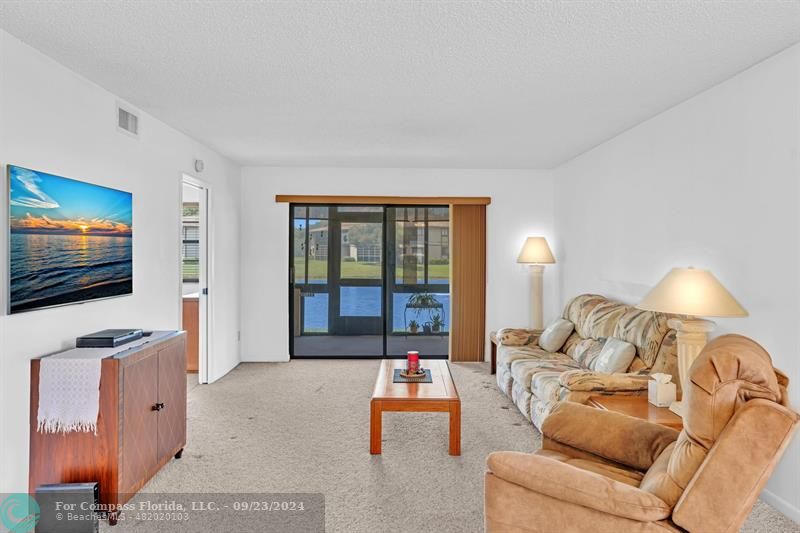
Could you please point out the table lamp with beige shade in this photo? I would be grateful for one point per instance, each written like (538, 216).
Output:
(536, 253)
(691, 292)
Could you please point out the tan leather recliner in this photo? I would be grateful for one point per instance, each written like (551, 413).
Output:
(601, 471)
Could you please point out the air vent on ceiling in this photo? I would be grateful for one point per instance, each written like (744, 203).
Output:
(127, 121)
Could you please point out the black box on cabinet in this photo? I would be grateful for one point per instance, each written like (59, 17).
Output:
(68, 508)
(108, 338)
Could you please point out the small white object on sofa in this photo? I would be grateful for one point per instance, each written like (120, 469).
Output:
(616, 356)
(556, 334)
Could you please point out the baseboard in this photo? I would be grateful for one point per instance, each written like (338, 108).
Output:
(785, 508)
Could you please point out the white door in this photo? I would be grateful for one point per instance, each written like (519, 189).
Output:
(197, 192)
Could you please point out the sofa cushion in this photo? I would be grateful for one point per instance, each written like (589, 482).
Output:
(516, 336)
(508, 354)
(667, 358)
(540, 410)
(572, 342)
(603, 319)
(579, 308)
(504, 379)
(555, 335)
(587, 350)
(522, 399)
(546, 385)
(616, 356)
(643, 329)
(564, 483)
(523, 370)
(619, 473)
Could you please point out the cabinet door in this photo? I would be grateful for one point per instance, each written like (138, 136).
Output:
(140, 422)
(171, 393)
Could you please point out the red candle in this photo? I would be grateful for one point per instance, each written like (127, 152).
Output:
(413, 361)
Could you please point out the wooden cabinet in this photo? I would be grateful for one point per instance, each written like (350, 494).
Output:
(172, 396)
(141, 423)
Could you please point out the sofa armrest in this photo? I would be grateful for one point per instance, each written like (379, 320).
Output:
(589, 381)
(570, 484)
(620, 438)
(517, 336)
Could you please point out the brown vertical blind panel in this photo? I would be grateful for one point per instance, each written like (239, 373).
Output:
(468, 282)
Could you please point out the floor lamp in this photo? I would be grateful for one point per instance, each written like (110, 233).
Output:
(536, 253)
(693, 293)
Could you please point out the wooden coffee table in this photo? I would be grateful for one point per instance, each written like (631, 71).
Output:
(440, 396)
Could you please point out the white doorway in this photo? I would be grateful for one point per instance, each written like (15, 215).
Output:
(195, 276)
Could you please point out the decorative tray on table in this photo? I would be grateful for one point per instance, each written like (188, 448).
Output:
(401, 375)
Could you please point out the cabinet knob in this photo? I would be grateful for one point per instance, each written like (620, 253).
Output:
(159, 406)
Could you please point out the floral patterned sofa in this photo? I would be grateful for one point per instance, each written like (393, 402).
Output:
(537, 380)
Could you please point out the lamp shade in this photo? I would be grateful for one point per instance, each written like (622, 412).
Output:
(695, 292)
(536, 250)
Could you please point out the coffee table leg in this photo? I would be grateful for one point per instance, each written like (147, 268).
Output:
(375, 433)
(455, 428)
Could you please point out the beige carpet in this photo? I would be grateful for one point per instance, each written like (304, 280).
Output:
(303, 427)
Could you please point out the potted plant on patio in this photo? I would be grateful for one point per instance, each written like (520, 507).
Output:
(437, 323)
(413, 327)
(423, 300)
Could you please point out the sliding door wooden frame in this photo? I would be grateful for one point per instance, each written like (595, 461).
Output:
(383, 200)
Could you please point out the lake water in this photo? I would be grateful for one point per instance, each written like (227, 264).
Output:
(366, 301)
(49, 266)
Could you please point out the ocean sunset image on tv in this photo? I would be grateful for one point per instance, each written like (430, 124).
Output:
(69, 241)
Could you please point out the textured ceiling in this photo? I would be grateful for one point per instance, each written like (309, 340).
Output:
(400, 83)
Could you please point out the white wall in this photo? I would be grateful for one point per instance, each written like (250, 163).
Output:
(53, 120)
(521, 206)
(712, 183)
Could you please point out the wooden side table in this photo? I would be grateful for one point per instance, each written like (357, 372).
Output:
(637, 407)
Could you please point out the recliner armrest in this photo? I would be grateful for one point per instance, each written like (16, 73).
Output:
(589, 381)
(613, 436)
(517, 336)
(571, 484)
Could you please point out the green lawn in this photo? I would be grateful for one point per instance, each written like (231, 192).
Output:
(191, 269)
(318, 270)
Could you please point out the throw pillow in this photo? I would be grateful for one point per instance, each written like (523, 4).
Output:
(515, 337)
(555, 335)
(587, 351)
(616, 356)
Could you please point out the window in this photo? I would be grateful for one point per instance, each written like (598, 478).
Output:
(190, 243)
(422, 245)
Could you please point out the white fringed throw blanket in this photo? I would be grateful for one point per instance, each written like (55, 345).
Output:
(69, 387)
(69, 392)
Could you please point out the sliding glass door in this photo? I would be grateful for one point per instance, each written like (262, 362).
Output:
(369, 281)
(418, 286)
(336, 285)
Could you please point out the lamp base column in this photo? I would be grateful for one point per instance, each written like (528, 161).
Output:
(537, 272)
(692, 338)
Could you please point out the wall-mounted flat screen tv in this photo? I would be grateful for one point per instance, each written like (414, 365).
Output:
(69, 241)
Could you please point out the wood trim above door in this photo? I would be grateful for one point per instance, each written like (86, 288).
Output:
(382, 200)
